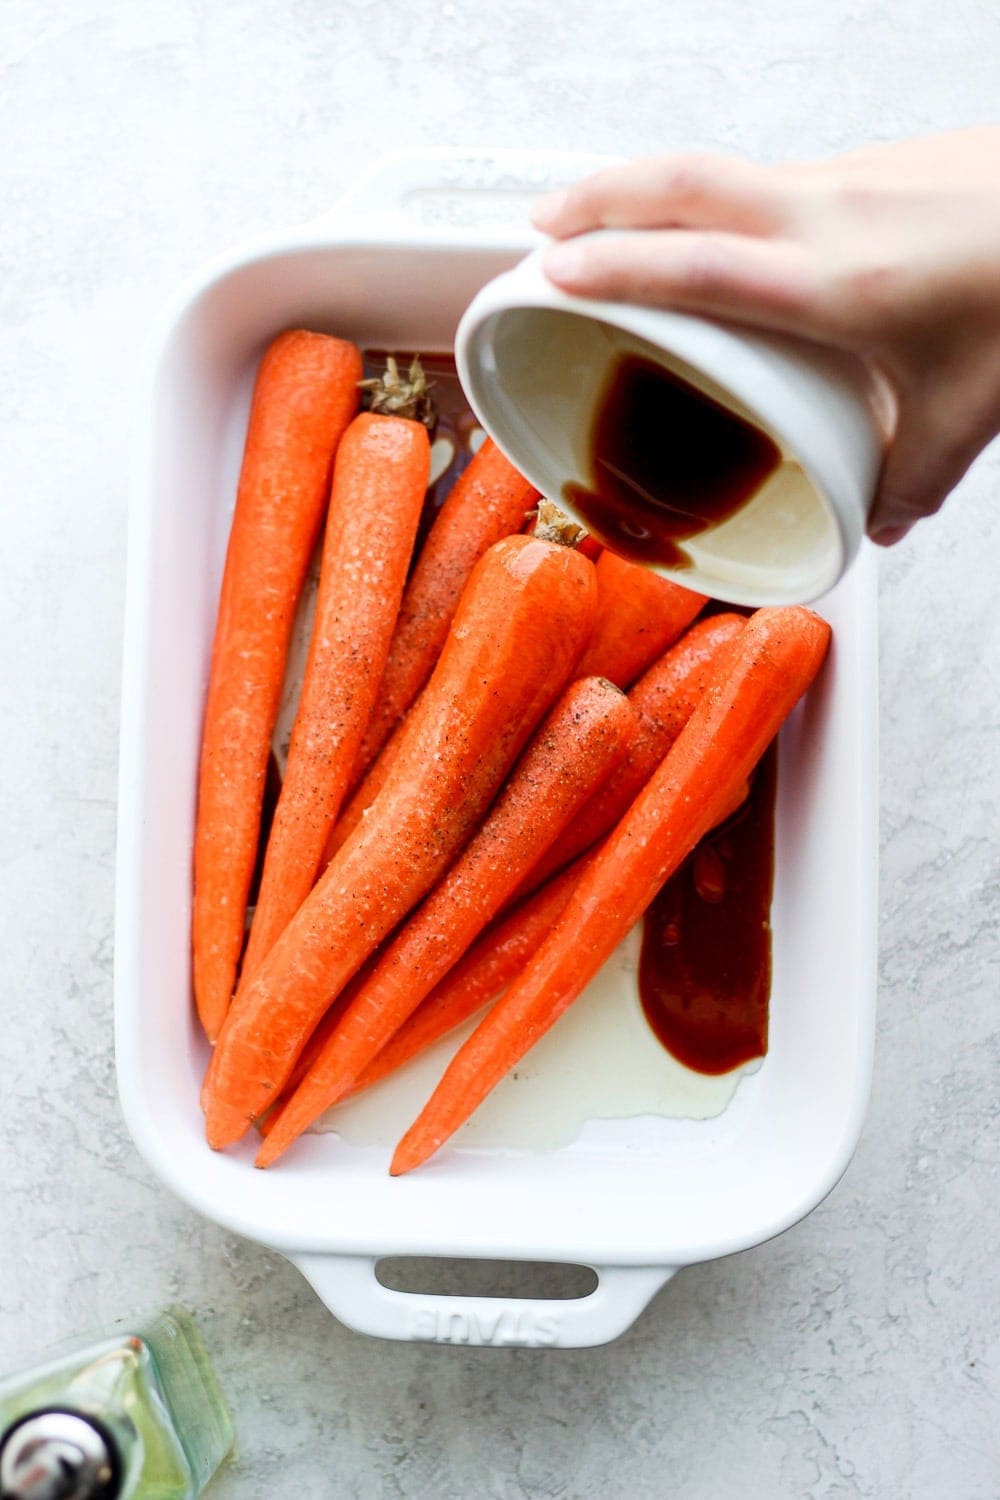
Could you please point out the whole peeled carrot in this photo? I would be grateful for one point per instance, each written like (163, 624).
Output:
(771, 665)
(305, 395)
(516, 635)
(639, 614)
(446, 548)
(664, 699)
(489, 501)
(581, 740)
(380, 477)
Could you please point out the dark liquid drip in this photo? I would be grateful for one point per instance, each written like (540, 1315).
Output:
(705, 970)
(667, 462)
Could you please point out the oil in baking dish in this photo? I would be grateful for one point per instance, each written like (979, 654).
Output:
(601, 1061)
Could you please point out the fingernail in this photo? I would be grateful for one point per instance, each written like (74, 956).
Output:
(563, 262)
(547, 208)
(889, 535)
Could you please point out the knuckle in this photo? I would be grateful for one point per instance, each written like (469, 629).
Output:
(637, 285)
(616, 275)
(874, 289)
(692, 173)
(872, 283)
(620, 278)
(583, 200)
(903, 502)
(708, 266)
(854, 198)
(593, 266)
(589, 200)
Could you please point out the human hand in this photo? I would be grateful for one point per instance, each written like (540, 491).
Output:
(891, 252)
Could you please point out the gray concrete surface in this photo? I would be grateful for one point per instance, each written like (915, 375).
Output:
(855, 1356)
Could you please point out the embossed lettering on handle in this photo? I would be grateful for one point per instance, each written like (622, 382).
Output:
(514, 1327)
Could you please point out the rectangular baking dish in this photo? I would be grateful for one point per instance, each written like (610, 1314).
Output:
(395, 265)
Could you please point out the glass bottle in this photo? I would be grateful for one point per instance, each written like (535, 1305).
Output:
(133, 1416)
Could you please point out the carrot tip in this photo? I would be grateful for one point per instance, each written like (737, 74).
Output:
(271, 1148)
(285, 1125)
(224, 1127)
(407, 1155)
(212, 1021)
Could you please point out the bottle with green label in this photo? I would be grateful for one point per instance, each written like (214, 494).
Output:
(138, 1414)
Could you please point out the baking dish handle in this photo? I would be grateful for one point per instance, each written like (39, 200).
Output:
(470, 195)
(349, 1287)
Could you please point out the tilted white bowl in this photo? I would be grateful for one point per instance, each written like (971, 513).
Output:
(535, 363)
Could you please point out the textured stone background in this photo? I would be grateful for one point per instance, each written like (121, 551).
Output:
(855, 1356)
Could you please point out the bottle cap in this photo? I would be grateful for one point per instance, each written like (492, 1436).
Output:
(58, 1455)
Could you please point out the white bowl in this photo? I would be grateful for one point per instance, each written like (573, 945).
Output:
(635, 1199)
(536, 362)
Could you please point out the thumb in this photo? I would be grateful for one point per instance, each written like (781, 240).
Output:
(928, 455)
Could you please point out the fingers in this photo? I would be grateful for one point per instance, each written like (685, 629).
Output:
(888, 536)
(924, 463)
(767, 283)
(659, 192)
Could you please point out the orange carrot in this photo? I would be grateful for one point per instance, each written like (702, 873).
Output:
(664, 699)
(639, 614)
(316, 1042)
(496, 958)
(489, 501)
(583, 738)
(305, 395)
(379, 480)
(771, 665)
(525, 611)
(368, 789)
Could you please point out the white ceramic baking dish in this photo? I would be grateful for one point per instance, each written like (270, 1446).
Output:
(395, 265)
